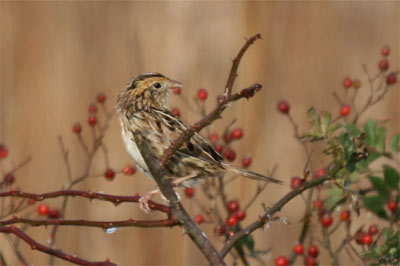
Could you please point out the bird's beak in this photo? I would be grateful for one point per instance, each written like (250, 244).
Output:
(174, 84)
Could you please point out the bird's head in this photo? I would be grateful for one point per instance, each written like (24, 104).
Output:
(145, 91)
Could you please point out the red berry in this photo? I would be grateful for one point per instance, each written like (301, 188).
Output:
(233, 206)
(92, 120)
(101, 97)
(283, 107)
(345, 110)
(109, 174)
(43, 209)
(391, 78)
(176, 90)
(385, 50)
(218, 147)
(54, 213)
(230, 154)
(309, 261)
(189, 192)
(320, 172)
(318, 204)
(199, 219)
(92, 108)
(326, 220)
(313, 251)
(232, 220)
(31, 201)
(367, 239)
(3, 152)
(77, 128)
(298, 249)
(383, 65)
(176, 112)
(202, 94)
(281, 261)
(9, 178)
(345, 215)
(373, 229)
(246, 162)
(296, 182)
(392, 205)
(129, 170)
(359, 237)
(347, 83)
(220, 230)
(240, 215)
(237, 133)
(213, 137)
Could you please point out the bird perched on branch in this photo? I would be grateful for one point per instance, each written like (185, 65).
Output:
(142, 109)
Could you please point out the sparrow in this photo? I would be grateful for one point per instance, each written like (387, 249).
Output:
(142, 108)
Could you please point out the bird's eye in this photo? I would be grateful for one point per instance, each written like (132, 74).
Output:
(157, 85)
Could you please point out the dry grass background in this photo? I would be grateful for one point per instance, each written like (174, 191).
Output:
(56, 56)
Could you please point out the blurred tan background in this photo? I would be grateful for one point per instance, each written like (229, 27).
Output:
(56, 57)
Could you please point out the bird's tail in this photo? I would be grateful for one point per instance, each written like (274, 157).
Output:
(250, 174)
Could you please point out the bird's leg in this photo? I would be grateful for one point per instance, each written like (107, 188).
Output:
(177, 182)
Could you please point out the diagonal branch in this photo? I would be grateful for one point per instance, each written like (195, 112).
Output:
(57, 253)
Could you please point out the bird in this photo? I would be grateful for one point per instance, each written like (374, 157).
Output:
(142, 109)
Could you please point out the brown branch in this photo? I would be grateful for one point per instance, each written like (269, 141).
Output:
(100, 224)
(207, 120)
(275, 208)
(53, 252)
(235, 64)
(177, 210)
(85, 194)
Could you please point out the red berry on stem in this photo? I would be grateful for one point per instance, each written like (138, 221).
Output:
(218, 147)
(230, 154)
(202, 94)
(383, 65)
(345, 215)
(9, 178)
(232, 221)
(281, 261)
(233, 206)
(199, 219)
(240, 215)
(31, 201)
(345, 110)
(176, 90)
(320, 172)
(283, 107)
(326, 220)
(129, 170)
(101, 97)
(373, 229)
(237, 133)
(43, 209)
(313, 251)
(92, 108)
(77, 128)
(296, 182)
(176, 112)
(298, 249)
(246, 162)
(385, 51)
(92, 120)
(54, 213)
(189, 192)
(359, 237)
(109, 174)
(213, 137)
(391, 79)
(347, 83)
(392, 205)
(367, 239)
(3, 151)
(220, 230)
(309, 261)
(318, 204)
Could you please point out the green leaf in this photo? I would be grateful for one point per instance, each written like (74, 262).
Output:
(376, 205)
(348, 145)
(335, 195)
(249, 242)
(325, 122)
(380, 138)
(379, 185)
(363, 166)
(395, 146)
(370, 130)
(392, 178)
(333, 128)
(353, 130)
